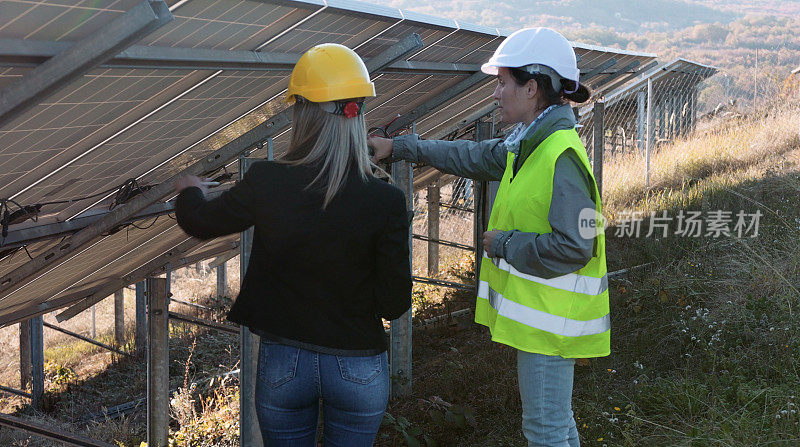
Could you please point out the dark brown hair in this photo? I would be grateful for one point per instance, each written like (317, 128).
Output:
(551, 96)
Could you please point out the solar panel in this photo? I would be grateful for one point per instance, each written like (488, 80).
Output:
(153, 110)
(56, 21)
(679, 75)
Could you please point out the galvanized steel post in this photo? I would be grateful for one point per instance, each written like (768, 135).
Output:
(34, 358)
(24, 354)
(433, 228)
(480, 209)
(598, 144)
(676, 116)
(222, 280)
(641, 118)
(119, 317)
(249, 432)
(400, 332)
(37, 361)
(157, 362)
(650, 133)
(141, 316)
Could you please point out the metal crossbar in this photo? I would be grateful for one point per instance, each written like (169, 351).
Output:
(231, 329)
(443, 242)
(50, 432)
(443, 283)
(15, 391)
(86, 339)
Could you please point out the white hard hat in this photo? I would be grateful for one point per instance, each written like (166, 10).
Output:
(540, 50)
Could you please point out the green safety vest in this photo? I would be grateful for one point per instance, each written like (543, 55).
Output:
(566, 316)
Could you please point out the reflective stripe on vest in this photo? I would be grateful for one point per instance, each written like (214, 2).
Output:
(542, 320)
(571, 282)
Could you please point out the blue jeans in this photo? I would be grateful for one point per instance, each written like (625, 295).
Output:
(545, 386)
(291, 382)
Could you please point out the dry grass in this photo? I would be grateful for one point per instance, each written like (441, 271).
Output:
(189, 284)
(455, 264)
(727, 151)
(81, 377)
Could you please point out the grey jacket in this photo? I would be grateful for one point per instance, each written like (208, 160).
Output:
(545, 255)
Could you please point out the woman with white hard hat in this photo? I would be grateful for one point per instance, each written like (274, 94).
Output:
(543, 287)
(329, 260)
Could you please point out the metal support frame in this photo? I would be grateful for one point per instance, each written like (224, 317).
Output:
(681, 113)
(685, 112)
(119, 317)
(86, 339)
(199, 256)
(433, 228)
(223, 258)
(667, 115)
(140, 337)
(15, 391)
(249, 433)
(228, 328)
(598, 144)
(222, 280)
(25, 53)
(73, 62)
(611, 76)
(25, 373)
(87, 297)
(37, 361)
(649, 133)
(615, 84)
(641, 120)
(172, 299)
(443, 283)
(479, 199)
(157, 362)
(480, 196)
(469, 120)
(664, 72)
(30, 231)
(137, 275)
(599, 69)
(443, 242)
(456, 207)
(215, 160)
(415, 115)
(676, 117)
(400, 332)
(50, 432)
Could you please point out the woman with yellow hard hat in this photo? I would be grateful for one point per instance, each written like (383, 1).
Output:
(543, 288)
(329, 260)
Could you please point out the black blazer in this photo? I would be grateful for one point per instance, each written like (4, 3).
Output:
(318, 277)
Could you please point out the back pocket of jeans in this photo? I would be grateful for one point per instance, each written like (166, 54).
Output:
(277, 363)
(360, 369)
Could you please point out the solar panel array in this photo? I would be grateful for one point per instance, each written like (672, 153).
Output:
(215, 71)
(674, 107)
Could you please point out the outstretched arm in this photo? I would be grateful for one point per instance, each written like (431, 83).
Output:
(484, 160)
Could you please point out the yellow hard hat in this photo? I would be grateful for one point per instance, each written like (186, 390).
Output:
(329, 72)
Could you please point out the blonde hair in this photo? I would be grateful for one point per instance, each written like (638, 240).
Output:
(334, 142)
